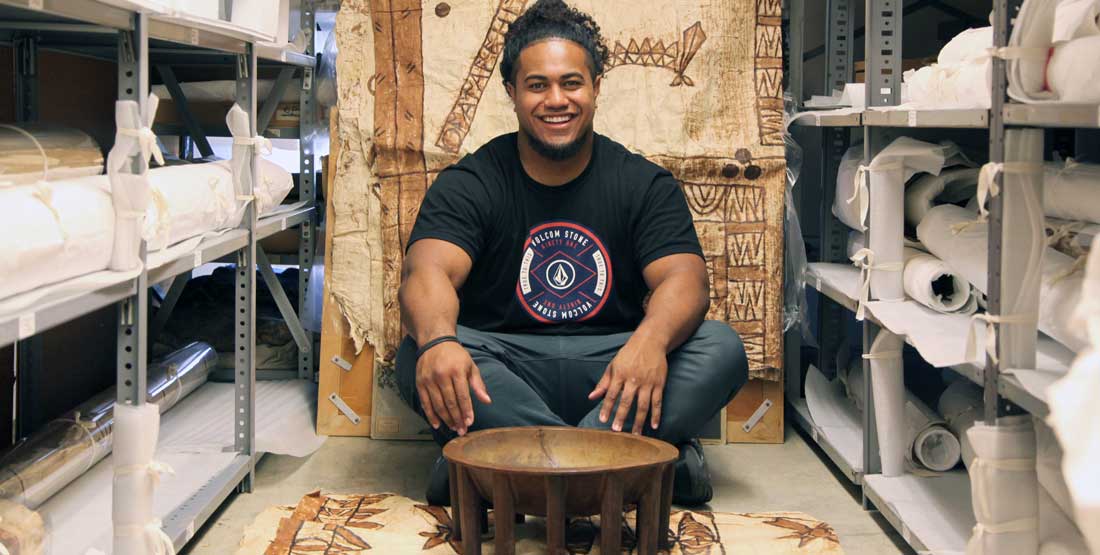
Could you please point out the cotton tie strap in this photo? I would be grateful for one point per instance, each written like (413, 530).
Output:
(860, 195)
(865, 259)
(147, 142)
(1019, 53)
(882, 355)
(979, 481)
(261, 143)
(156, 469)
(154, 535)
(987, 181)
(990, 332)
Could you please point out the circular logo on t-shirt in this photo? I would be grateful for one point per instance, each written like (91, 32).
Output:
(565, 274)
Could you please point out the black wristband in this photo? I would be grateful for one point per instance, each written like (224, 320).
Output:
(441, 339)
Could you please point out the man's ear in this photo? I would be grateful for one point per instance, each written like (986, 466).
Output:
(511, 90)
(596, 87)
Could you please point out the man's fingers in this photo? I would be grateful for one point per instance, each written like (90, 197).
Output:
(450, 401)
(625, 403)
(643, 409)
(609, 399)
(426, 406)
(462, 393)
(601, 386)
(478, 386)
(439, 406)
(655, 407)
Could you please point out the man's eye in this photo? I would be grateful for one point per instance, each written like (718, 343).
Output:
(573, 84)
(537, 86)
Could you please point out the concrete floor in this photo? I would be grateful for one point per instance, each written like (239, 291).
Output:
(747, 478)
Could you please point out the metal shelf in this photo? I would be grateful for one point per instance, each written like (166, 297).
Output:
(207, 251)
(1010, 387)
(267, 227)
(192, 514)
(829, 118)
(800, 412)
(61, 310)
(223, 131)
(950, 119)
(1052, 115)
(933, 514)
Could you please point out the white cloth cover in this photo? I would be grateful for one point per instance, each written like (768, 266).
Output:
(846, 203)
(207, 9)
(54, 231)
(962, 78)
(1075, 19)
(961, 406)
(888, 385)
(1071, 191)
(1004, 488)
(261, 16)
(1048, 466)
(967, 253)
(135, 479)
(1075, 414)
(187, 201)
(1032, 33)
(127, 166)
(1058, 535)
(929, 442)
(949, 187)
(1072, 74)
(928, 280)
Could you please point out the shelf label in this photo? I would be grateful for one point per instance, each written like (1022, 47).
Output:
(195, 37)
(912, 118)
(36, 4)
(198, 259)
(282, 225)
(26, 325)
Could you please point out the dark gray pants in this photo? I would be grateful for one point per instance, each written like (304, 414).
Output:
(544, 380)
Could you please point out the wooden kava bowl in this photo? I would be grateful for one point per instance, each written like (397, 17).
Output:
(558, 473)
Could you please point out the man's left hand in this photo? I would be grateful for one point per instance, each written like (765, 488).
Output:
(638, 370)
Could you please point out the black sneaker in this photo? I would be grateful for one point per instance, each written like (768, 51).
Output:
(439, 484)
(692, 485)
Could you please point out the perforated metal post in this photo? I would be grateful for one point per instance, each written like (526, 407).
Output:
(133, 84)
(795, 16)
(244, 375)
(307, 186)
(25, 48)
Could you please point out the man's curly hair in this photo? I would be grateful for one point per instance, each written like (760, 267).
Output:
(553, 19)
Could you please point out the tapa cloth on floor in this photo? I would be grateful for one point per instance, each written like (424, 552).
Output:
(391, 524)
(420, 86)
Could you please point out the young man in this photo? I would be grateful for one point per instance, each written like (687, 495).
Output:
(525, 281)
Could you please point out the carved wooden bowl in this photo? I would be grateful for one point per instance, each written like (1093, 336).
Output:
(558, 473)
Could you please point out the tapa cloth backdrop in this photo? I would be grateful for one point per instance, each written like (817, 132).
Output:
(693, 86)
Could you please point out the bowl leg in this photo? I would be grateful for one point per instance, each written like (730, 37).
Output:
(555, 515)
(470, 511)
(611, 515)
(504, 509)
(666, 507)
(456, 512)
(648, 522)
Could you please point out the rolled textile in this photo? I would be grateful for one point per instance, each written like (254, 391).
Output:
(187, 201)
(246, 150)
(22, 531)
(846, 202)
(1032, 36)
(951, 86)
(929, 441)
(64, 449)
(968, 46)
(966, 252)
(1072, 74)
(1075, 414)
(30, 153)
(1058, 535)
(928, 280)
(1073, 239)
(1048, 466)
(136, 532)
(1074, 19)
(54, 231)
(1070, 191)
(127, 168)
(961, 406)
(1004, 488)
(952, 186)
(888, 385)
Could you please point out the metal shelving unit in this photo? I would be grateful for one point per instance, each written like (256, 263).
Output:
(907, 501)
(98, 25)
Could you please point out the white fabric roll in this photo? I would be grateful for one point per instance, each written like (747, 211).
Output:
(1024, 238)
(961, 406)
(887, 207)
(1032, 33)
(949, 187)
(135, 478)
(53, 232)
(1048, 466)
(132, 501)
(1075, 414)
(846, 205)
(135, 434)
(127, 166)
(967, 253)
(1058, 535)
(967, 46)
(888, 384)
(1072, 74)
(928, 280)
(1071, 191)
(188, 201)
(241, 162)
(1075, 19)
(961, 78)
(261, 16)
(1004, 488)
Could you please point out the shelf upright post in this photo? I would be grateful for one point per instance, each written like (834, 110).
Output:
(792, 338)
(883, 88)
(244, 375)
(996, 206)
(307, 184)
(834, 143)
(26, 78)
(133, 84)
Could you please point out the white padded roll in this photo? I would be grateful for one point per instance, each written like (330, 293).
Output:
(1058, 535)
(929, 280)
(961, 406)
(135, 440)
(887, 207)
(846, 203)
(888, 384)
(135, 434)
(1033, 31)
(1071, 191)
(1004, 488)
(1073, 74)
(1075, 19)
(949, 187)
(188, 201)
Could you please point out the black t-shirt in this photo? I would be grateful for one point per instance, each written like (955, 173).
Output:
(565, 259)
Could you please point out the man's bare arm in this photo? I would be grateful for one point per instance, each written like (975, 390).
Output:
(679, 303)
(433, 272)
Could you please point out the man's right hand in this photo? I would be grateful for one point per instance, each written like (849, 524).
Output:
(445, 374)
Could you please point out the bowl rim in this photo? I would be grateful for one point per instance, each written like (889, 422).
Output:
(454, 453)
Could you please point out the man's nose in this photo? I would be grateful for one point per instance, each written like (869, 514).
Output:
(555, 98)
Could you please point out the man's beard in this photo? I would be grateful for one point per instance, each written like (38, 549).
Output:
(557, 153)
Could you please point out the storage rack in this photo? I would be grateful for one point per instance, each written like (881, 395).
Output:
(901, 499)
(95, 28)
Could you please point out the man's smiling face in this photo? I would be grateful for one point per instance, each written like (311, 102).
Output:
(555, 97)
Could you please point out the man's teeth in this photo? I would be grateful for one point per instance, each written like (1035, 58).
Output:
(556, 119)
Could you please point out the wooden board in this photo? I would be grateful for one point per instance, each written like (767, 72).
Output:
(356, 386)
(768, 429)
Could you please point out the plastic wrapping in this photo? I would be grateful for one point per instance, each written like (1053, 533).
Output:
(326, 78)
(794, 251)
(39, 152)
(65, 448)
(1004, 488)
